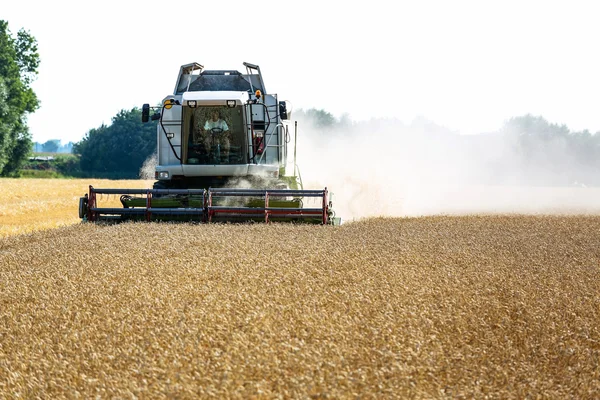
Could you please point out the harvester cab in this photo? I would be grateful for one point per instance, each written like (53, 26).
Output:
(222, 150)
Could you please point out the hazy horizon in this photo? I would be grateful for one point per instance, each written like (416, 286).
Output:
(467, 65)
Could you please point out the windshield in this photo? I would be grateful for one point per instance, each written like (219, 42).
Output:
(216, 136)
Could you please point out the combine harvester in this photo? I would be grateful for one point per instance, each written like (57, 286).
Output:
(222, 156)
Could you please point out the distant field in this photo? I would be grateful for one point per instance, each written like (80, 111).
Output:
(432, 307)
(50, 154)
(28, 205)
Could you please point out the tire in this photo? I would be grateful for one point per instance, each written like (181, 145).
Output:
(83, 203)
(161, 185)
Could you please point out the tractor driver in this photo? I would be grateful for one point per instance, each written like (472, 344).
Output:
(215, 132)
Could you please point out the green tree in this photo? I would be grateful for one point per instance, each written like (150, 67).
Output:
(316, 118)
(551, 154)
(19, 61)
(51, 146)
(120, 149)
(535, 127)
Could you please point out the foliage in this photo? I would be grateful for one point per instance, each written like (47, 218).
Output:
(40, 174)
(51, 146)
(564, 156)
(38, 147)
(317, 118)
(60, 166)
(19, 61)
(120, 148)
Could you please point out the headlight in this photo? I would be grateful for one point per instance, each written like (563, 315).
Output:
(163, 175)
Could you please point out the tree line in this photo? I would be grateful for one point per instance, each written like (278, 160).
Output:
(526, 150)
(52, 146)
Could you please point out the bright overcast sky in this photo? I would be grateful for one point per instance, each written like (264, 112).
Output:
(467, 65)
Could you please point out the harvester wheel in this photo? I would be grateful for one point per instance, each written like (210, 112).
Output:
(83, 204)
(124, 199)
(160, 185)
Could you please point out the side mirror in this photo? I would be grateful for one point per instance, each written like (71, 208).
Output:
(145, 112)
(285, 110)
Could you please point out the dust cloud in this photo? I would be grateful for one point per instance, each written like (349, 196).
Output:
(149, 166)
(384, 167)
(388, 168)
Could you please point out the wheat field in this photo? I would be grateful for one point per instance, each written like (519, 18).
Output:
(504, 306)
(28, 205)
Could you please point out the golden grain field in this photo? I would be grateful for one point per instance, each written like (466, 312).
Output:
(28, 205)
(433, 307)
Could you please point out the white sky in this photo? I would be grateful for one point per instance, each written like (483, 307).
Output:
(467, 65)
